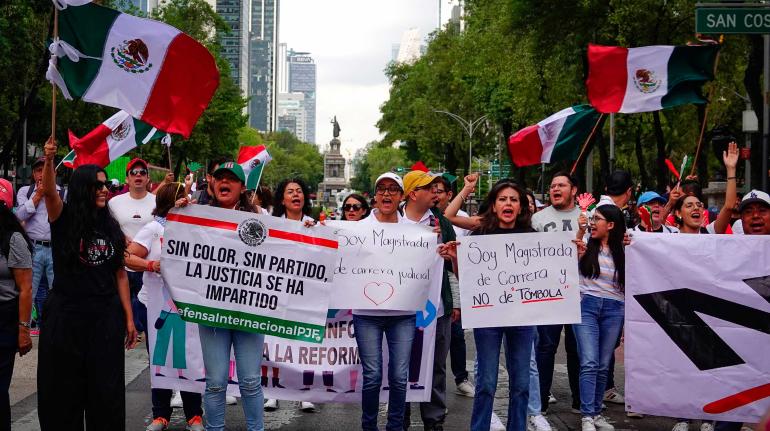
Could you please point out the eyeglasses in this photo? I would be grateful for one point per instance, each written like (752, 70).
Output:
(594, 219)
(351, 207)
(392, 189)
(138, 172)
(101, 185)
(438, 191)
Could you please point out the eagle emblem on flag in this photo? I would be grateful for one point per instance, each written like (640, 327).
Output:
(121, 132)
(645, 81)
(131, 56)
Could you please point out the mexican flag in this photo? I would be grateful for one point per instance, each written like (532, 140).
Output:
(648, 78)
(147, 68)
(116, 136)
(253, 160)
(558, 137)
(69, 160)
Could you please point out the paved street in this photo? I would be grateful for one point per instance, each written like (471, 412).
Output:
(328, 417)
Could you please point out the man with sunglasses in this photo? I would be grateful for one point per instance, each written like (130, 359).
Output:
(133, 210)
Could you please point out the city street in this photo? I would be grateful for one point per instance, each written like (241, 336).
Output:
(328, 416)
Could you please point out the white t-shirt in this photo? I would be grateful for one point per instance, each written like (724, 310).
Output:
(458, 230)
(151, 238)
(372, 219)
(132, 214)
(552, 220)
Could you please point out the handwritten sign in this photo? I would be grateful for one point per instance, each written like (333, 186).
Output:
(384, 266)
(250, 272)
(518, 279)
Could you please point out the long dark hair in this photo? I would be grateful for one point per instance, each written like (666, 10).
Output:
(86, 220)
(364, 205)
(490, 221)
(589, 263)
(9, 225)
(279, 209)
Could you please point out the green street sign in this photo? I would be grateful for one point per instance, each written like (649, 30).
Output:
(732, 20)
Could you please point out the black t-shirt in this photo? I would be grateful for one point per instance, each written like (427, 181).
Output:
(93, 276)
(500, 231)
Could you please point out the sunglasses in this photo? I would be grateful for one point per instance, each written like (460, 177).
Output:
(392, 189)
(138, 172)
(101, 185)
(351, 207)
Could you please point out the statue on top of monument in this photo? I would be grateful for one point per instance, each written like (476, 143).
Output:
(336, 131)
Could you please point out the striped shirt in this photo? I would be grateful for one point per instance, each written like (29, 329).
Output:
(605, 285)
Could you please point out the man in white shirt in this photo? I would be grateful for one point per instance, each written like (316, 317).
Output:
(133, 210)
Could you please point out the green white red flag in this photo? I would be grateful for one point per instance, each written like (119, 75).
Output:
(648, 78)
(253, 161)
(116, 136)
(558, 137)
(147, 68)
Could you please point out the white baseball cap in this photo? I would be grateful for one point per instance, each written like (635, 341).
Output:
(752, 197)
(391, 176)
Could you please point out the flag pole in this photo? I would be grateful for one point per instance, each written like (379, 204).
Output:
(53, 86)
(585, 145)
(706, 112)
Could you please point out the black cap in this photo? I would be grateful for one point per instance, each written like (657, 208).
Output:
(618, 182)
(38, 161)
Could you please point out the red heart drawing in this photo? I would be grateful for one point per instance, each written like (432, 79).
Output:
(377, 292)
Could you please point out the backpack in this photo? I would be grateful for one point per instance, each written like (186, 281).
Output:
(31, 190)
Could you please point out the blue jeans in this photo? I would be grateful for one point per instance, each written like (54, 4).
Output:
(549, 337)
(215, 346)
(602, 322)
(518, 352)
(534, 407)
(399, 333)
(42, 266)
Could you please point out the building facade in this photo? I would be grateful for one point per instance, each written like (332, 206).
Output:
(235, 45)
(302, 79)
(292, 105)
(263, 67)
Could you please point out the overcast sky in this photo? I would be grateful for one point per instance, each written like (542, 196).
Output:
(351, 42)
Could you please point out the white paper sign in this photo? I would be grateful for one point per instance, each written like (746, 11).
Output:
(697, 334)
(249, 272)
(384, 266)
(518, 279)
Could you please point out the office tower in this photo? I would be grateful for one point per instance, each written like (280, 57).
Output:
(235, 45)
(263, 65)
(302, 79)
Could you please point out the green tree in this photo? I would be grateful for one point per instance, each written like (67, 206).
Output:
(292, 158)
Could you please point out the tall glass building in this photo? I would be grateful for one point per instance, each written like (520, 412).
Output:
(302, 79)
(235, 45)
(263, 67)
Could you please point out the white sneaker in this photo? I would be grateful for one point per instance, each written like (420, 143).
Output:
(176, 400)
(681, 426)
(551, 399)
(587, 424)
(634, 415)
(271, 405)
(307, 406)
(613, 396)
(230, 400)
(496, 424)
(601, 424)
(707, 426)
(466, 389)
(538, 423)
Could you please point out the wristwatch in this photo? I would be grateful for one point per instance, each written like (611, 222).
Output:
(24, 324)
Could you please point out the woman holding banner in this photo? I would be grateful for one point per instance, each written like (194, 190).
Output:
(396, 326)
(144, 256)
(87, 316)
(602, 278)
(216, 343)
(507, 212)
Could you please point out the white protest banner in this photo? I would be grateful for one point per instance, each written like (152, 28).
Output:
(249, 272)
(384, 266)
(697, 334)
(518, 279)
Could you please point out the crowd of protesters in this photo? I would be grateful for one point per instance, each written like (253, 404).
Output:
(96, 252)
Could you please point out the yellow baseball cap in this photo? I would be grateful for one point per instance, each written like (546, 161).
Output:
(415, 179)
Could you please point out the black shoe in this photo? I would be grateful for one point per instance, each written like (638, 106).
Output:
(305, 389)
(182, 377)
(159, 375)
(350, 391)
(202, 379)
(264, 381)
(277, 384)
(416, 386)
(331, 390)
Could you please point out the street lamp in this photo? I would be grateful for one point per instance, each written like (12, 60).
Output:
(469, 127)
